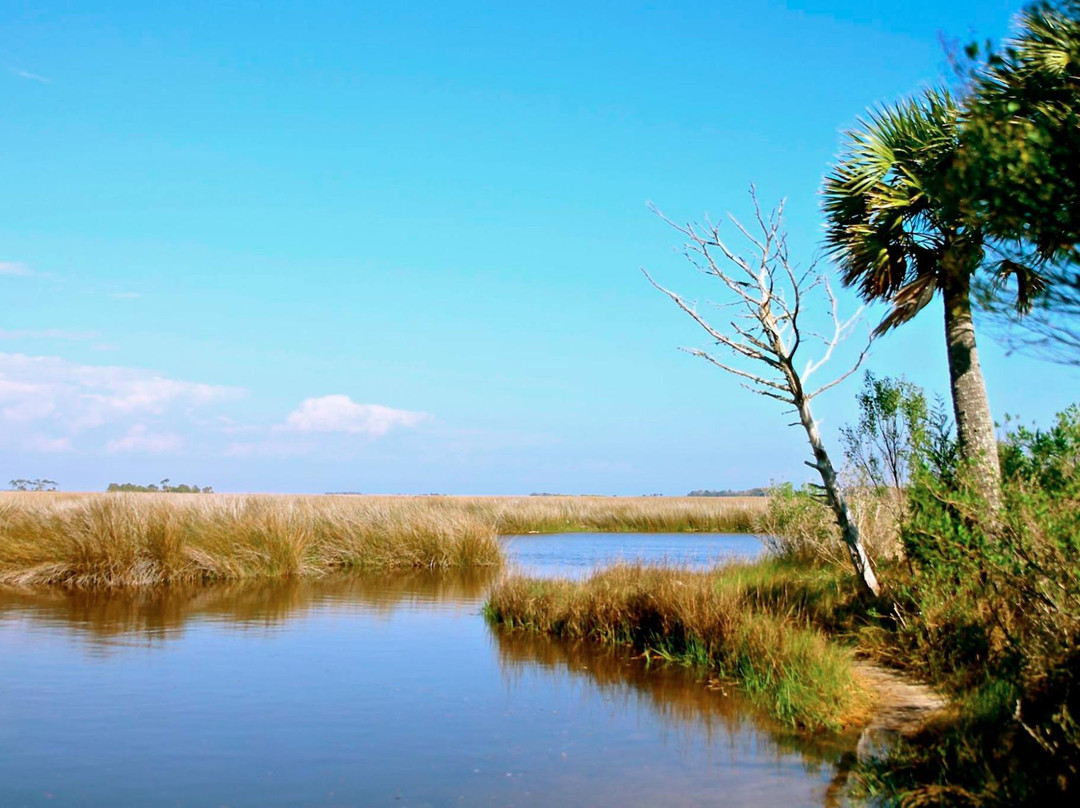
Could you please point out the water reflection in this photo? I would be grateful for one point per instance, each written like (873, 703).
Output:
(162, 612)
(365, 689)
(683, 700)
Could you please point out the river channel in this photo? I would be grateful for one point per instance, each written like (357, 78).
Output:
(385, 690)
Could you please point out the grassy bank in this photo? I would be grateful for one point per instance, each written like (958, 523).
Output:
(756, 624)
(147, 539)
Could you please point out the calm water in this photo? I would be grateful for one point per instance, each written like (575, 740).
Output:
(577, 554)
(361, 690)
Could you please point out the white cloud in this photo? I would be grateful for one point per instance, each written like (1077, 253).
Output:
(125, 295)
(342, 414)
(51, 404)
(140, 439)
(47, 333)
(14, 268)
(26, 74)
(46, 398)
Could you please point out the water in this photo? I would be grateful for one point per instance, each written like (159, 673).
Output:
(370, 690)
(577, 554)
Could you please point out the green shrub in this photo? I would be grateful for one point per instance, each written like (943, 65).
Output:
(991, 611)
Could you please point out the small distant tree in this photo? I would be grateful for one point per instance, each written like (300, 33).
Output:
(882, 446)
(765, 339)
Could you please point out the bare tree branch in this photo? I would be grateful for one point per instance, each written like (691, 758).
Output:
(771, 294)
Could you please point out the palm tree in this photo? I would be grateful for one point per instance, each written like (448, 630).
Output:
(1021, 133)
(1022, 130)
(898, 236)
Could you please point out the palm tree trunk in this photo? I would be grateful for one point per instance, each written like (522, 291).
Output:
(974, 424)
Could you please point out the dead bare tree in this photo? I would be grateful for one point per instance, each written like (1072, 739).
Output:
(769, 295)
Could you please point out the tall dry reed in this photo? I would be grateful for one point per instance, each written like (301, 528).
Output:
(146, 539)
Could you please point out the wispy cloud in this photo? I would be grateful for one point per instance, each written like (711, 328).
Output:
(49, 404)
(338, 413)
(14, 268)
(269, 448)
(26, 74)
(125, 295)
(140, 439)
(48, 333)
(230, 426)
(46, 398)
(38, 443)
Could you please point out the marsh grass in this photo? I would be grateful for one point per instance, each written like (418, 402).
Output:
(720, 620)
(110, 540)
(142, 539)
(794, 523)
(564, 514)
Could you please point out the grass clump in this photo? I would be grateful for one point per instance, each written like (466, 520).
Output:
(715, 620)
(110, 540)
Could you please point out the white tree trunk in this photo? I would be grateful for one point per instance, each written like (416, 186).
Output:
(834, 495)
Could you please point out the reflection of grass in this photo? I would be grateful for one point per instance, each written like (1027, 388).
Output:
(680, 700)
(156, 612)
(146, 539)
(730, 620)
(91, 540)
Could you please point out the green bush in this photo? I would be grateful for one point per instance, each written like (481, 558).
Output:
(991, 611)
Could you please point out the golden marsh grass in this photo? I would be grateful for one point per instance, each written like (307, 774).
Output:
(102, 540)
(108, 540)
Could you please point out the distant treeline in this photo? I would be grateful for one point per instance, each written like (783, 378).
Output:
(164, 487)
(32, 485)
(550, 494)
(748, 492)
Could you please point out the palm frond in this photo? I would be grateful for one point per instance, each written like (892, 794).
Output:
(886, 224)
(908, 302)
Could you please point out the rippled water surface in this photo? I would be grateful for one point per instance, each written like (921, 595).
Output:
(371, 690)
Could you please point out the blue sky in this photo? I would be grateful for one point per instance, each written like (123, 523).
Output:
(395, 247)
